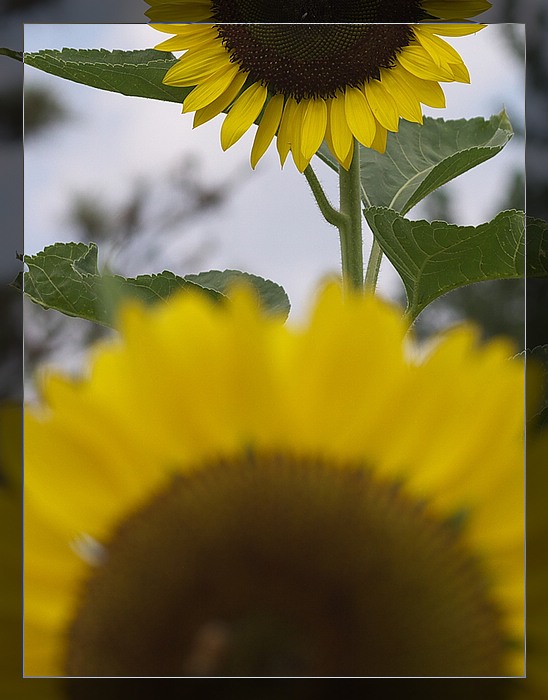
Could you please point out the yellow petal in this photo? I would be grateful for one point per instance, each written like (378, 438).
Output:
(338, 135)
(182, 29)
(314, 125)
(176, 44)
(460, 72)
(196, 66)
(379, 142)
(407, 102)
(267, 128)
(382, 105)
(282, 142)
(450, 29)
(204, 114)
(186, 40)
(242, 114)
(211, 89)
(418, 62)
(295, 135)
(428, 92)
(444, 55)
(359, 116)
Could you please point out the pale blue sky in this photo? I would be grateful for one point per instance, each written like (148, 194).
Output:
(271, 225)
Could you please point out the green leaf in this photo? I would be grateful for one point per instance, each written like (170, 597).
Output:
(271, 295)
(136, 73)
(433, 258)
(421, 158)
(65, 277)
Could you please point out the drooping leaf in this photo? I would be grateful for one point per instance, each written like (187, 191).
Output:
(421, 158)
(433, 258)
(65, 277)
(136, 73)
(272, 296)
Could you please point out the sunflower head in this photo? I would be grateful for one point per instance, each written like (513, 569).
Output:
(223, 496)
(313, 70)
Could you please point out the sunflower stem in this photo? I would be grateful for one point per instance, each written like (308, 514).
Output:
(330, 214)
(373, 267)
(350, 230)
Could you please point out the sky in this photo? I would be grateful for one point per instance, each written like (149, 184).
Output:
(270, 225)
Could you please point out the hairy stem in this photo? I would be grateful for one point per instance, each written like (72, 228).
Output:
(373, 267)
(351, 228)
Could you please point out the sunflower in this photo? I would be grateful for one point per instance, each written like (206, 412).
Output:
(306, 83)
(228, 495)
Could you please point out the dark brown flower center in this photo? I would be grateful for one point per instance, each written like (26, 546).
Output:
(269, 565)
(307, 60)
(298, 58)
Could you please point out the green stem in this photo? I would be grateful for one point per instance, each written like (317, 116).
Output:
(331, 215)
(350, 229)
(348, 220)
(373, 267)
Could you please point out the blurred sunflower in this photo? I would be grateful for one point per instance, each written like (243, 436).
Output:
(306, 83)
(228, 495)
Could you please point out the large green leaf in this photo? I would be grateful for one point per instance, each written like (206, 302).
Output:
(421, 158)
(433, 258)
(272, 296)
(65, 277)
(136, 73)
